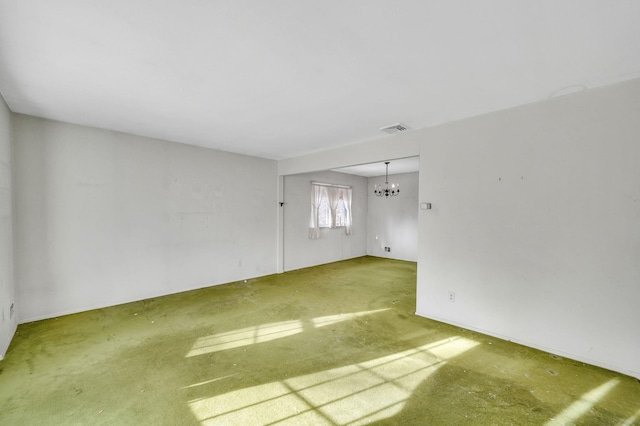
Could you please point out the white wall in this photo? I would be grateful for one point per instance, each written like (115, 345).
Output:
(333, 244)
(536, 225)
(104, 218)
(393, 222)
(8, 322)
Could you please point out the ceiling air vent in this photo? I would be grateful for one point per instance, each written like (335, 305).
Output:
(394, 128)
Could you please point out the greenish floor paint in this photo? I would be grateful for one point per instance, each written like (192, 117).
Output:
(337, 344)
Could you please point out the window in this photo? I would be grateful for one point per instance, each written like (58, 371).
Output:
(330, 208)
(324, 213)
(341, 213)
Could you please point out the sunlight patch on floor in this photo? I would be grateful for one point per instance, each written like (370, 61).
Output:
(208, 382)
(584, 404)
(356, 394)
(266, 332)
(245, 336)
(334, 319)
(632, 420)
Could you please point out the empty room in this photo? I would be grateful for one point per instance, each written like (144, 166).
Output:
(319, 213)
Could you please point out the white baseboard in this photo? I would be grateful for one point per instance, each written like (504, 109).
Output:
(563, 354)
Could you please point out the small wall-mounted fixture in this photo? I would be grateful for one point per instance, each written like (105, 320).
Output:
(425, 206)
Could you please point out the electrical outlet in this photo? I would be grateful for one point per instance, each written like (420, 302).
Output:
(452, 297)
(387, 249)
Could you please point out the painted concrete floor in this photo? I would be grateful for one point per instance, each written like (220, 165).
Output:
(337, 344)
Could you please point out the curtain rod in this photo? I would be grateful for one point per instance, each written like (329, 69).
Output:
(330, 184)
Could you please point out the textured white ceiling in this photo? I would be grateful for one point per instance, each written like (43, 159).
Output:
(281, 78)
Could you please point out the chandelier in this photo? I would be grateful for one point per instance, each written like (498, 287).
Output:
(387, 190)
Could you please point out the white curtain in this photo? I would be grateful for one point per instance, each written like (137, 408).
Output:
(317, 192)
(333, 197)
(333, 194)
(346, 197)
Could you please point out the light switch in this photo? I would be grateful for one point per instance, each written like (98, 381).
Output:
(425, 206)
